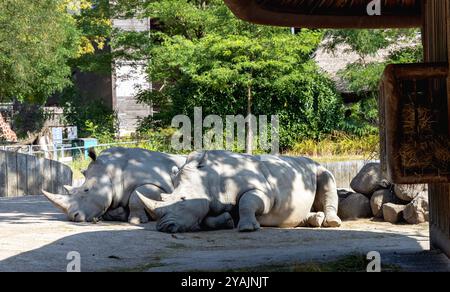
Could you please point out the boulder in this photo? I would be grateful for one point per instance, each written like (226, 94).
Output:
(417, 211)
(393, 213)
(380, 198)
(354, 206)
(408, 193)
(369, 179)
(344, 193)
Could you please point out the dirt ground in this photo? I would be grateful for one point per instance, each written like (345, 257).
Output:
(34, 236)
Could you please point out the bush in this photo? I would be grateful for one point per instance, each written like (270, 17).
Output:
(156, 140)
(93, 118)
(28, 119)
(339, 144)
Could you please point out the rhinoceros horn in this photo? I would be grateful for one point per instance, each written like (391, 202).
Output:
(150, 205)
(60, 201)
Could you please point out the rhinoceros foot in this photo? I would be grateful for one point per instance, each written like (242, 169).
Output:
(332, 220)
(228, 222)
(137, 220)
(316, 219)
(248, 225)
(224, 221)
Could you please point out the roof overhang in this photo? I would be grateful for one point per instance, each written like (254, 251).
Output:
(328, 14)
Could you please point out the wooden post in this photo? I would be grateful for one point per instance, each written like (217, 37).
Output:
(436, 36)
(3, 176)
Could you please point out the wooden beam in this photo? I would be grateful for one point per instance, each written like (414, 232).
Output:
(250, 11)
(436, 14)
(439, 223)
(414, 71)
(448, 54)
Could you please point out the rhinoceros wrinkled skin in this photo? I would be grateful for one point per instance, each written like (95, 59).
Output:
(266, 190)
(112, 179)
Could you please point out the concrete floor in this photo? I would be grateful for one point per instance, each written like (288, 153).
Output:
(34, 236)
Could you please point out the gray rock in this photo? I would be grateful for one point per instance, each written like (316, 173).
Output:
(393, 213)
(344, 193)
(380, 198)
(417, 211)
(354, 206)
(369, 179)
(408, 193)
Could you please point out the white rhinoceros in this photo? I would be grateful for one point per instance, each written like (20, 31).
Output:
(112, 179)
(266, 190)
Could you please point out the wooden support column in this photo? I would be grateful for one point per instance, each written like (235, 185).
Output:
(436, 37)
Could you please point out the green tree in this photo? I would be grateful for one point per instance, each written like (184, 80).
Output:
(93, 21)
(201, 55)
(37, 38)
(363, 76)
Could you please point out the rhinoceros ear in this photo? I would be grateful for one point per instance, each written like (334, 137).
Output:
(175, 171)
(92, 154)
(196, 159)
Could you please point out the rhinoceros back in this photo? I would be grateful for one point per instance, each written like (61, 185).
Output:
(288, 174)
(130, 168)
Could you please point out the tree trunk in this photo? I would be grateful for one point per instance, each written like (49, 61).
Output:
(249, 134)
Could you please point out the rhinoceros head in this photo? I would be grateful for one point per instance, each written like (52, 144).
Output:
(187, 206)
(89, 201)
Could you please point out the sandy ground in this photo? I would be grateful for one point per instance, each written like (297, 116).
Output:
(34, 236)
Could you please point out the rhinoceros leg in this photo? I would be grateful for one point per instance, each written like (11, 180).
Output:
(223, 221)
(119, 214)
(327, 199)
(251, 205)
(138, 215)
(314, 220)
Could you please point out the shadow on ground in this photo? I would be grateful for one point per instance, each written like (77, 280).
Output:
(34, 237)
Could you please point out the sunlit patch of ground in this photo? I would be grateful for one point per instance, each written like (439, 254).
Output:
(34, 236)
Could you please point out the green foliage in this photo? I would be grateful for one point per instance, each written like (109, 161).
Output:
(363, 118)
(363, 76)
(201, 55)
(36, 40)
(216, 73)
(204, 57)
(368, 42)
(30, 119)
(156, 140)
(91, 116)
(406, 55)
(95, 27)
(338, 145)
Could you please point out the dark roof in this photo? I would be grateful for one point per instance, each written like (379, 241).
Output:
(328, 13)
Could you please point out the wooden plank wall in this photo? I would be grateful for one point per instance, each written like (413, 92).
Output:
(436, 32)
(344, 172)
(440, 217)
(22, 175)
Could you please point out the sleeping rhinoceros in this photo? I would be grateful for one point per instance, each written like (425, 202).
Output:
(265, 190)
(112, 179)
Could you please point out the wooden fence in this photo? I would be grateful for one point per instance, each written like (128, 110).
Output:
(22, 175)
(344, 171)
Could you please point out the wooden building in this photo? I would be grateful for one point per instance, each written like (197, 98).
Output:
(118, 90)
(433, 17)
